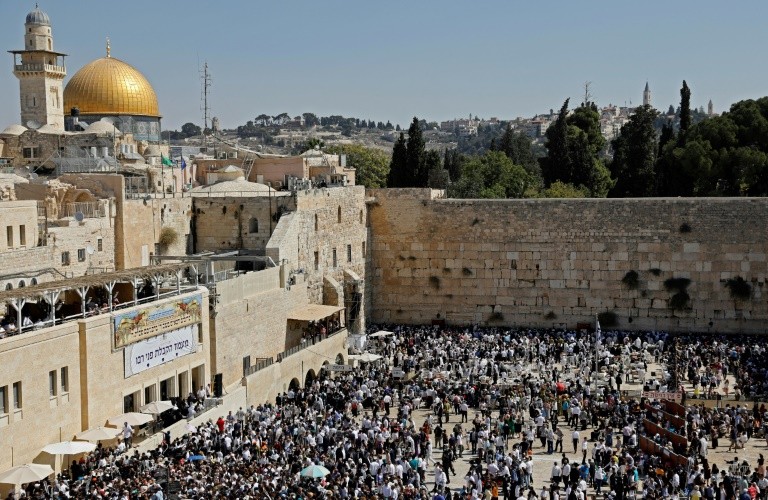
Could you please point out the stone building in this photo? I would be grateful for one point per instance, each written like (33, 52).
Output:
(57, 380)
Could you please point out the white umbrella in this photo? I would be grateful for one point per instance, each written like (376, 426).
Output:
(381, 333)
(315, 471)
(99, 434)
(157, 407)
(27, 473)
(366, 357)
(132, 418)
(69, 448)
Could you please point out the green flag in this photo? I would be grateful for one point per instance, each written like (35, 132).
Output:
(166, 161)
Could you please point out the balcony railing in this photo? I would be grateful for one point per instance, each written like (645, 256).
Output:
(40, 67)
(308, 342)
(260, 364)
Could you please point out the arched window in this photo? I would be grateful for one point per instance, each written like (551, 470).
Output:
(22, 284)
(8, 286)
(338, 215)
(34, 281)
(253, 225)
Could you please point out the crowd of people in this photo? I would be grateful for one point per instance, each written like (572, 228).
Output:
(491, 398)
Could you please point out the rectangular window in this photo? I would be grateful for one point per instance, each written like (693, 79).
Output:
(9, 236)
(30, 153)
(3, 399)
(334, 257)
(349, 253)
(363, 250)
(64, 258)
(149, 394)
(246, 364)
(65, 379)
(81, 254)
(17, 402)
(317, 260)
(99, 245)
(22, 235)
(52, 387)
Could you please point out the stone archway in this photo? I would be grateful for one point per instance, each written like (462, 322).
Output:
(295, 384)
(339, 359)
(309, 378)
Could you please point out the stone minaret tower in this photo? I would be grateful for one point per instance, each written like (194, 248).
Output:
(710, 108)
(646, 95)
(41, 73)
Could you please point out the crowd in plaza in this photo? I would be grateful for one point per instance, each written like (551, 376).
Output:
(494, 398)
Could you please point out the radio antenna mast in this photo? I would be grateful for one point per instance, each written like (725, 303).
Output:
(205, 78)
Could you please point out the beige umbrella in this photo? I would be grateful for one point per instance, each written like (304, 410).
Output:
(366, 357)
(381, 333)
(69, 448)
(157, 407)
(132, 418)
(99, 434)
(27, 473)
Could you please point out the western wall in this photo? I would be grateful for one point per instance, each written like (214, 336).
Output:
(558, 263)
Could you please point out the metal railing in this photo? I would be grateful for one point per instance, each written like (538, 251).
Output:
(260, 364)
(308, 342)
(89, 209)
(40, 67)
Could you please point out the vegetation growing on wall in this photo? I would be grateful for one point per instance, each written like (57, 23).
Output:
(679, 286)
(739, 288)
(434, 282)
(168, 236)
(685, 228)
(631, 279)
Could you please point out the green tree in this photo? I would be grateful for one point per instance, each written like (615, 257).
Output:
(189, 129)
(555, 166)
(491, 175)
(453, 161)
(685, 108)
(518, 148)
(437, 176)
(574, 145)
(398, 176)
(371, 164)
(310, 120)
(562, 190)
(418, 175)
(634, 156)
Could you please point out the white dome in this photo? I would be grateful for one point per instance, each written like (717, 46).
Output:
(14, 130)
(102, 127)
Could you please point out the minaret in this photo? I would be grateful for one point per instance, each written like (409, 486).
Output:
(710, 108)
(646, 95)
(41, 73)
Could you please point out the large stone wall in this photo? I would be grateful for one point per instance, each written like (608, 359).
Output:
(237, 223)
(560, 262)
(250, 320)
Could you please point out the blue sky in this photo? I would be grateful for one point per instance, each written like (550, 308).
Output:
(393, 60)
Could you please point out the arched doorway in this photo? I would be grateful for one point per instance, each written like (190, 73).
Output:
(339, 359)
(295, 384)
(310, 377)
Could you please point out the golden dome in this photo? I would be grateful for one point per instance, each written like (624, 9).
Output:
(109, 86)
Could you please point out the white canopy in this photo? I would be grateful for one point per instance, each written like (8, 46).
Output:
(69, 448)
(365, 357)
(157, 407)
(381, 333)
(27, 473)
(99, 434)
(132, 418)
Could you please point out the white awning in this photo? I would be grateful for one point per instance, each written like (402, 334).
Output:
(313, 312)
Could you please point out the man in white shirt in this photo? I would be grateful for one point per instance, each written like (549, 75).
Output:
(575, 439)
(127, 435)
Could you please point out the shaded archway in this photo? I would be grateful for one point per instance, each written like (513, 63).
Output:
(295, 384)
(339, 359)
(309, 378)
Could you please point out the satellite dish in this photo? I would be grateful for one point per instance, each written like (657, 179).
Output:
(79, 216)
(33, 124)
(89, 249)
